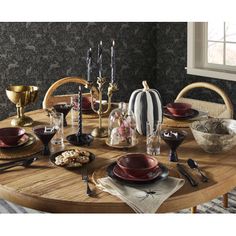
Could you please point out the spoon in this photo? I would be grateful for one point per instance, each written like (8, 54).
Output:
(194, 165)
(24, 163)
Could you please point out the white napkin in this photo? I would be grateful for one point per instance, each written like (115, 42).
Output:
(142, 199)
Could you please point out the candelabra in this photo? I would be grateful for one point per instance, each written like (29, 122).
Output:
(101, 132)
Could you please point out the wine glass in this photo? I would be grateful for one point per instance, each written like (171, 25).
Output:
(63, 108)
(173, 138)
(45, 133)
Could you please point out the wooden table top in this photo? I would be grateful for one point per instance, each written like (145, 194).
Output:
(54, 189)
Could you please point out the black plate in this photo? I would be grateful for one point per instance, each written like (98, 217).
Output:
(30, 141)
(191, 114)
(54, 155)
(162, 176)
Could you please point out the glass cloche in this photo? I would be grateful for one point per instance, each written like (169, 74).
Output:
(121, 127)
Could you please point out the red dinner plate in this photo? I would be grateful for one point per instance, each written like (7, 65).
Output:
(21, 142)
(147, 177)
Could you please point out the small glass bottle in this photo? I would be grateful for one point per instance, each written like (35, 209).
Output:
(122, 127)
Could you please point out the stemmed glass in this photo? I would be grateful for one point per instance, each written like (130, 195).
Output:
(64, 109)
(45, 133)
(173, 139)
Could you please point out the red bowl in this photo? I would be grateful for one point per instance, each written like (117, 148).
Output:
(137, 164)
(86, 102)
(11, 135)
(178, 108)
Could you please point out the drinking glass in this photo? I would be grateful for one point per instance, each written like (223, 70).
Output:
(45, 133)
(74, 110)
(56, 120)
(153, 137)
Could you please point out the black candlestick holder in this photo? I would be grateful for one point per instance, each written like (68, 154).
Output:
(80, 139)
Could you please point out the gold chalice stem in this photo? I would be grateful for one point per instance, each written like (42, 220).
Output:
(18, 111)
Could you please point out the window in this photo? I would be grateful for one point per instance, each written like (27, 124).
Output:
(212, 50)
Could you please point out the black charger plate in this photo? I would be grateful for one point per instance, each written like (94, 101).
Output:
(162, 176)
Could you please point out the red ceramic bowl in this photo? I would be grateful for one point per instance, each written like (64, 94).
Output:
(86, 102)
(11, 135)
(178, 108)
(137, 164)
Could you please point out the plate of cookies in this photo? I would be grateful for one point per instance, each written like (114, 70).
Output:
(72, 158)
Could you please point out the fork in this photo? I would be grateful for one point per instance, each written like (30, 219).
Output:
(85, 178)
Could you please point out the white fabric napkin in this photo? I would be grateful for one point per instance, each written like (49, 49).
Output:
(142, 199)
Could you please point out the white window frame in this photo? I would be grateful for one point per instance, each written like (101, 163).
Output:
(197, 55)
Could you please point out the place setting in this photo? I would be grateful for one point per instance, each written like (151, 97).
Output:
(15, 143)
(139, 180)
(182, 114)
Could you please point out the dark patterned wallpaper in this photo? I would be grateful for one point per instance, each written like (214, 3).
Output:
(171, 75)
(41, 53)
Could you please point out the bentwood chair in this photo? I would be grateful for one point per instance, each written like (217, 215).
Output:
(50, 99)
(216, 110)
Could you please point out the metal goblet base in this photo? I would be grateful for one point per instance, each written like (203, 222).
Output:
(99, 132)
(22, 121)
(80, 140)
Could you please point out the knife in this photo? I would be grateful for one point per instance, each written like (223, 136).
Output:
(21, 162)
(12, 162)
(183, 171)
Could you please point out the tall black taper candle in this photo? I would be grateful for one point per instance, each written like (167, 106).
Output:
(80, 111)
(80, 139)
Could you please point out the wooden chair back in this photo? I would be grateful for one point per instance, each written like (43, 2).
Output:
(50, 99)
(216, 110)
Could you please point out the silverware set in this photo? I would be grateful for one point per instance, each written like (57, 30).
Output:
(193, 165)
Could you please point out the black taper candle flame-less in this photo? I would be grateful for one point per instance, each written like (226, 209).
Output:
(80, 112)
(99, 61)
(113, 66)
(89, 62)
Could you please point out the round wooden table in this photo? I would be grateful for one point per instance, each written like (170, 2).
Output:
(54, 189)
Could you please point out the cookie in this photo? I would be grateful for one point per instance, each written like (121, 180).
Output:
(82, 159)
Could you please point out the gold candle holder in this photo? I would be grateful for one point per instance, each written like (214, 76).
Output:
(101, 132)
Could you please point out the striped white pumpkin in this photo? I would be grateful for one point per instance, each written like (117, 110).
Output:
(146, 105)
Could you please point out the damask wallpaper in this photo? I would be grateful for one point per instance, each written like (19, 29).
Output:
(41, 53)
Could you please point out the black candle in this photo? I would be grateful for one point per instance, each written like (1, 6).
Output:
(89, 60)
(100, 59)
(113, 62)
(80, 111)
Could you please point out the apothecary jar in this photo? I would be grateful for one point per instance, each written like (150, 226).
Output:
(122, 127)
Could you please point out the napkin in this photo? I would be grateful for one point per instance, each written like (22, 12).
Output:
(143, 198)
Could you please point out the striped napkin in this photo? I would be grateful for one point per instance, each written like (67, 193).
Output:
(144, 198)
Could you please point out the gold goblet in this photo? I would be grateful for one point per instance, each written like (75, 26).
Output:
(21, 95)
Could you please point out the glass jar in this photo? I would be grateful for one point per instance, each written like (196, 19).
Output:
(121, 127)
